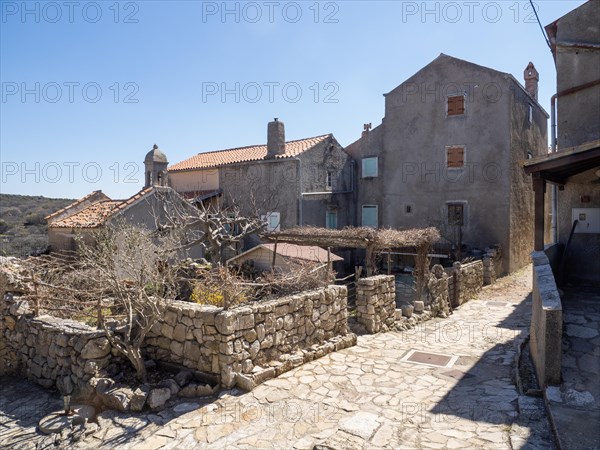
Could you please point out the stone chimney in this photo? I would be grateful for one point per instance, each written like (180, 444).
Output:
(531, 80)
(275, 139)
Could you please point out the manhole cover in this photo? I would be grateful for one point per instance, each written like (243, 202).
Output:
(429, 359)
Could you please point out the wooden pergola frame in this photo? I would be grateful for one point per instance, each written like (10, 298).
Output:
(371, 239)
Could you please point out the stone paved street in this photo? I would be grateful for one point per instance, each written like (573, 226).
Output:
(445, 384)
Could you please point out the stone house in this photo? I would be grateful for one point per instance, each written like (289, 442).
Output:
(572, 170)
(448, 152)
(301, 182)
(95, 210)
(564, 323)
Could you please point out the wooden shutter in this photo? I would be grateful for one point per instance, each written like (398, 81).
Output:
(456, 105)
(455, 214)
(456, 157)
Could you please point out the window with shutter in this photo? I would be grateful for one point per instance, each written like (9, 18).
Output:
(456, 105)
(331, 220)
(456, 214)
(369, 216)
(455, 157)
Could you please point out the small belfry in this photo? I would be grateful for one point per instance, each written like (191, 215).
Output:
(155, 164)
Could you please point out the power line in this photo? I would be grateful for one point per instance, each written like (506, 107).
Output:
(539, 23)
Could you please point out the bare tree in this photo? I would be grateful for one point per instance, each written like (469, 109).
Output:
(210, 225)
(125, 279)
(137, 268)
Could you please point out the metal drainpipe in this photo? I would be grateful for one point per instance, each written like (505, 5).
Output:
(554, 187)
(299, 178)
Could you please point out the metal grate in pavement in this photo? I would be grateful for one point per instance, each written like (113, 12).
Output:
(429, 359)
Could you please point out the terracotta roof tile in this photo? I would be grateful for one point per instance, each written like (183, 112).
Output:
(244, 154)
(97, 213)
(90, 217)
(71, 205)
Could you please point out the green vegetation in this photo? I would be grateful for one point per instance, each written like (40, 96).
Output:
(23, 230)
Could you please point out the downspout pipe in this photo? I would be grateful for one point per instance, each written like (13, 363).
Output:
(553, 141)
(299, 181)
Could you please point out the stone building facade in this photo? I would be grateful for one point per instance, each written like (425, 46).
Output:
(301, 182)
(576, 49)
(448, 153)
(89, 214)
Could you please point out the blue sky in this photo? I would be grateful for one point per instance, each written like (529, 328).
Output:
(89, 87)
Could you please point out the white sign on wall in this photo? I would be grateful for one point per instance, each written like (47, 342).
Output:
(588, 220)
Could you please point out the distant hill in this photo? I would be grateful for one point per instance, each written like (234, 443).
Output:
(23, 230)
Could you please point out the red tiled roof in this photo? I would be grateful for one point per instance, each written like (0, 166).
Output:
(90, 217)
(305, 252)
(71, 205)
(244, 154)
(97, 213)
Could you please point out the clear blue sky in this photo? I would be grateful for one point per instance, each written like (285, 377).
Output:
(115, 78)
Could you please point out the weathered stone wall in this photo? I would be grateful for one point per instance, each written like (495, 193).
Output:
(186, 335)
(438, 301)
(47, 350)
(376, 302)
(464, 281)
(492, 266)
(248, 344)
(546, 323)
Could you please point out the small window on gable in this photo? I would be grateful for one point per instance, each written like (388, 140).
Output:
(530, 114)
(408, 209)
(329, 180)
(456, 105)
(369, 167)
(456, 214)
(369, 216)
(331, 220)
(455, 157)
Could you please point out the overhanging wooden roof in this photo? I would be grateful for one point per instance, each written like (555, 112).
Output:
(558, 167)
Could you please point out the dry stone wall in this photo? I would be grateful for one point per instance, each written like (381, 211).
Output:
(244, 345)
(47, 350)
(492, 265)
(438, 292)
(376, 303)
(248, 344)
(464, 281)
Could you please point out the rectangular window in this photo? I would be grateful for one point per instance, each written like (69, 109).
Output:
(331, 220)
(272, 220)
(456, 105)
(369, 216)
(329, 180)
(456, 214)
(530, 114)
(369, 167)
(455, 157)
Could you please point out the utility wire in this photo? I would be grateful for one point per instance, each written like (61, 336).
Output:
(539, 23)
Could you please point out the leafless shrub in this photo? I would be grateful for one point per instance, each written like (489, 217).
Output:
(304, 276)
(125, 280)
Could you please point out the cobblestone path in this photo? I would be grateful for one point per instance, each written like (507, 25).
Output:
(445, 384)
